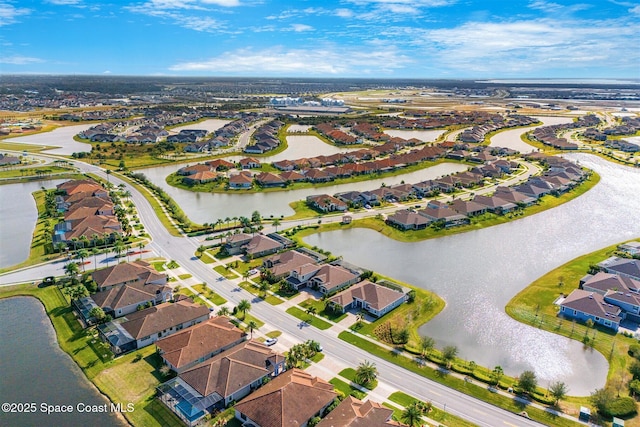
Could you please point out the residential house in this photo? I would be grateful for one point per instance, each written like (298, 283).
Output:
(448, 216)
(290, 400)
(128, 273)
(235, 243)
(330, 278)
(512, 195)
(468, 207)
(144, 327)
(268, 179)
(292, 176)
(185, 349)
(631, 248)
(241, 180)
(281, 265)
(326, 203)
(260, 246)
(406, 219)
(200, 178)
(249, 163)
(6, 160)
(621, 266)
(584, 305)
(376, 299)
(122, 300)
(217, 382)
(352, 412)
(495, 204)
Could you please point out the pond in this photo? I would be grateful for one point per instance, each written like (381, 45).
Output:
(18, 219)
(35, 370)
(478, 272)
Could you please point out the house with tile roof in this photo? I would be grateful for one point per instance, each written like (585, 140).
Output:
(260, 246)
(128, 273)
(125, 299)
(375, 298)
(144, 327)
(290, 400)
(352, 412)
(226, 377)
(281, 265)
(241, 180)
(185, 349)
(406, 219)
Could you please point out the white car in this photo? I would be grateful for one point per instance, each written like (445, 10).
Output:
(271, 341)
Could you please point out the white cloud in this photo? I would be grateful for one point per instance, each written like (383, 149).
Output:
(65, 2)
(9, 13)
(635, 10)
(306, 62)
(298, 28)
(19, 60)
(344, 13)
(526, 46)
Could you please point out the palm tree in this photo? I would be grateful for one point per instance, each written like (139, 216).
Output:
(128, 249)
(412, 415)
(71, 269)
(263, 287)
(227, 219)
(252, 325)
(119, 248)
(366, 373)
(59, 246)
(95, 251)
(311, 311)
(244, 306)
(449, 353)
(426, 345)
(497, 374)
(201, 250)
(140, 247)
(224, 311)
(82, 254)
(276, 222)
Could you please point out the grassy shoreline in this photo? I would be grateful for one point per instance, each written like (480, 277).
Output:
(139, 366)
(534, 306)
(483, 221)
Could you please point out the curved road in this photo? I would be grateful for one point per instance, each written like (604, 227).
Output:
(182, 250)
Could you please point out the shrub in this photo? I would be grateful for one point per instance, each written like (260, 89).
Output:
(634, 351)
(621, 407)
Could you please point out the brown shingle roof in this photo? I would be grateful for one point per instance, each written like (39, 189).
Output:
(352, 412)
(126, 295)
(377, 296)
(127, 272)
(199, 340)
(290, 400)
(163, 316)
(228, 372)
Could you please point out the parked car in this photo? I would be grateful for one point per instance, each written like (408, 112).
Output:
(271, 341)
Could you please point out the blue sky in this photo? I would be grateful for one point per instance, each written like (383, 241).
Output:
(309, 38)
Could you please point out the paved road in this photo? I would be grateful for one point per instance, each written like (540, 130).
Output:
(182, 250)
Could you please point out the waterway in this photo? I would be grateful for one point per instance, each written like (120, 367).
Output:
(478, 272)
(35, 370)
(18, 219)
(60, 137)
(207, 207)
(511, 138)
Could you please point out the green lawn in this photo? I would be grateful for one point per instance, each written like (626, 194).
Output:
(350, 374)
(173, 265)
(321, 311)
(227, 274)
(36, 171)
(253, 289)
(477, 223)
(121, 380)
(184, 276)
(435, 414)
(159, 265)
(312, 320)
(209, 294)
(534, 306)
(346, 389)
(479, 391)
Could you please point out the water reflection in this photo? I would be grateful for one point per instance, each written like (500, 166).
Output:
(478, 272)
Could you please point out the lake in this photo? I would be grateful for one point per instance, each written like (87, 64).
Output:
(478, 272)
(35, 370)
(18, 219)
